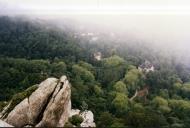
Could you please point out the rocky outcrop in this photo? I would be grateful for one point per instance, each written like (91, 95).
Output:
(28, 111)
(88, 119)
(74, 112)
(45, 105)
(58, 108)
(49, 105)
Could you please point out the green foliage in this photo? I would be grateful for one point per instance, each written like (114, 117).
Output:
(105, 120)
(132, 76)
(164, 93)
(31, 53)
(177, 85)
(161, 104)
(176, 125)
(86, 65)
(180, 105)
(146, 119)
(159, 101)
(133, 79)
(18, 74)
(113, 61)
(83, 73)
(185, 90)
(120, 87)
(2, 105)
(131, 67)
(120, 102)
(98, 90)
(112, 70)
(137, 107)
(58, 69)
(84, 106)
(76, 120)
(118, 123)
(164, 109)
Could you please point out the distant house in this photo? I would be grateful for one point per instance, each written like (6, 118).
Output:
(98, 56)
(146, 67)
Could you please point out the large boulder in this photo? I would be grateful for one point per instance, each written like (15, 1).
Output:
(59, 107)
(49, 105)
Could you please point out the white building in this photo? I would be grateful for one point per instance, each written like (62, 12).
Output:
(98, 56)
(146, 67)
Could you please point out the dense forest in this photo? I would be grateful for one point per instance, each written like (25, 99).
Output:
(112, 86)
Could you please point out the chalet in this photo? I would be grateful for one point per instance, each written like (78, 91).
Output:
(146, 67)
(98, 56)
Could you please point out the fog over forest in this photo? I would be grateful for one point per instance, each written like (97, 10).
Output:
(124, 63)
(165, 28)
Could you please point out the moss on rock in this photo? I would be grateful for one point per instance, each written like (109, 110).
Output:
(17, 98)
(2, 105)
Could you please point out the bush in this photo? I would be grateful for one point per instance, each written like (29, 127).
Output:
(76, 120)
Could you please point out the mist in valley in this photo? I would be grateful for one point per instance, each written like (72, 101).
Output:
(126, 62)
(165, 33)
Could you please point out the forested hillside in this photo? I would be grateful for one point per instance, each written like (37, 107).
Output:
(112, 86)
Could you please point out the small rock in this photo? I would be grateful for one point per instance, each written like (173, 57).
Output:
(88, 119)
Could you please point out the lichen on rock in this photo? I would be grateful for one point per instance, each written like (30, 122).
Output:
(16, 99)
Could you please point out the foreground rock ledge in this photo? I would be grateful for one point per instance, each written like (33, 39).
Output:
(49, 105)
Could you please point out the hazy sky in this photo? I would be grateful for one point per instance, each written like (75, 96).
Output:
(164, 21)
(99, 6)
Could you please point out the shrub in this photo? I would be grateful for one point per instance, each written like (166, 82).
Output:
(76, 120)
